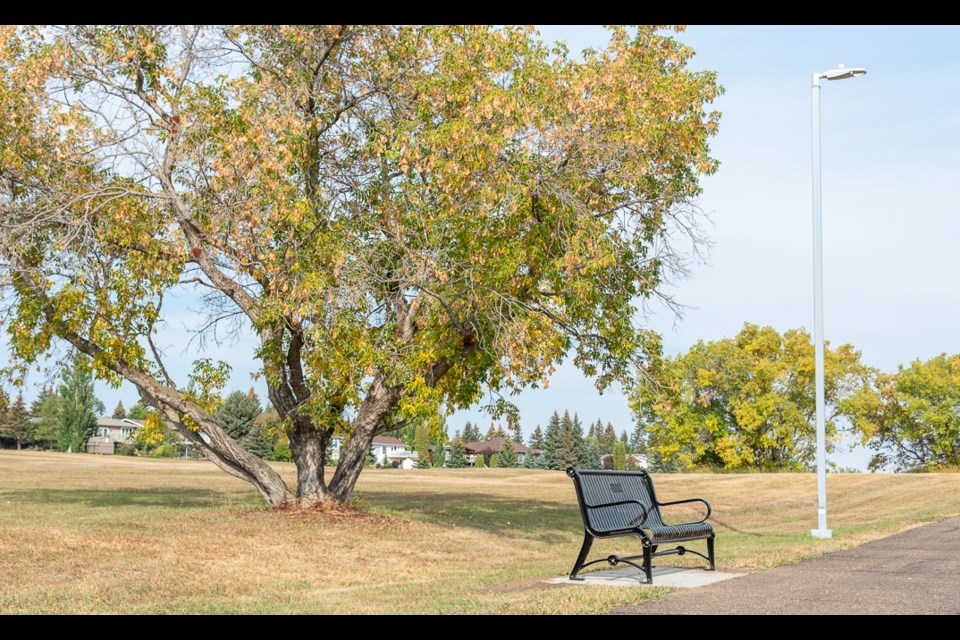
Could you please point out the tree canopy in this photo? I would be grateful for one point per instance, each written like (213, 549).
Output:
(406, 217)
(747, 401)
(914, 422)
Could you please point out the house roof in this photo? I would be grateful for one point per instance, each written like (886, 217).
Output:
(388, 440)
(493, 445)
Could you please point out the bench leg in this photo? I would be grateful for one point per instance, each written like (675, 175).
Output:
(582, 558)
(713, 566)
(648, 563)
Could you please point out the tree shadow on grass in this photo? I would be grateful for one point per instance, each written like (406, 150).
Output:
(532, 519)
(174, 498)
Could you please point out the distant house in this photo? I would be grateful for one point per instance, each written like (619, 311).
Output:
(111, 433)
(383, 448)
(487, 448)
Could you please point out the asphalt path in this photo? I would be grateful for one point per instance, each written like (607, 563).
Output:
(914, 572)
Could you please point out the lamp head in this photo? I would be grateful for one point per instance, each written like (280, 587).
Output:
(842, 73)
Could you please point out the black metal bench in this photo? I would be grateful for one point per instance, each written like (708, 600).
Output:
(623, 503)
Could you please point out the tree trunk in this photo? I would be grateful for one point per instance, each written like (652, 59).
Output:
(353, 456)
(307, 449)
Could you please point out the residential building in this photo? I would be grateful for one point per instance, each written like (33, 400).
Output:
(383, 448)
(494, 445)
(111, 433)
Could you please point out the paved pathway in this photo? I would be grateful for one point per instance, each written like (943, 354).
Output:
(917, 571)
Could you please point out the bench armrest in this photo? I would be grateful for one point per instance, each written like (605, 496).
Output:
(707, 504)
(643, 509)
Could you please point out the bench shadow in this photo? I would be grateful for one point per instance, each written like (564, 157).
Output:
(542, 521)
(174, 498)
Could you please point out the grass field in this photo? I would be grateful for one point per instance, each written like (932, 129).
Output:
(82, 533)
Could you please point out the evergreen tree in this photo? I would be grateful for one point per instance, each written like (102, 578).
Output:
(478, 461)
(458, 455)
(138, 412)
(77, 420)
(638, 439)
(238, 413)
(423, 447)
(471, 433)
(492, 462)
(500, 433)
(551, 441)
(624, 440)
(17, 425)
(569, 451)
(619, 456)
(119, 413)
(536, 439)
(530, 462)
(491, 432)
(37, 403)
(507, 458)
(592, 431)
(259, 442)
(48, 425)
(609, 437)
(516, 434)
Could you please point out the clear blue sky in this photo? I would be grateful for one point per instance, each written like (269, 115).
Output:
(890, 161)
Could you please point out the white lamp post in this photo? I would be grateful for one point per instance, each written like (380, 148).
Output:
(834, 74)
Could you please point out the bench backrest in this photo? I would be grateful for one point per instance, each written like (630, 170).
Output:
(595, 488)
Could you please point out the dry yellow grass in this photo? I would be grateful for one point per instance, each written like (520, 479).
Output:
(83, 533)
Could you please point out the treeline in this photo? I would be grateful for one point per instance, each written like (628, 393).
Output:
(748, 402)
(63, 418)
(563, 443)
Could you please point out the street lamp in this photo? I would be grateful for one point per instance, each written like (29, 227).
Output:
(840, 73)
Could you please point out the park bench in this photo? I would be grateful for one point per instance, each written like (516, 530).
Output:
(623, 503)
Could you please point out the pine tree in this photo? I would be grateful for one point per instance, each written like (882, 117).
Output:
(37, 403)
(591, 432)
(569, 451)
(17, 424)
(536, 439)
(638, 439)
(609, 437)
(458, 455)
(119, 413)
(478, 461)
(516, 433)
(259, 442)
(238, 413)
(500, 433)
(624, 440)
(493, 461)
(619, 456)
(491, 432)
(471, 433)
(507, 458)
(48, 425)
(551, 441)
(530, 461)
(77, 420)
(423, 447)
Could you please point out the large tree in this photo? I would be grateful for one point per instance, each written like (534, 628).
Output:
(747, 402)
(408, 218)
(913, 423)
(77, 417)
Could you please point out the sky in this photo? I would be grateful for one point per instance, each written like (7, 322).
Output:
(890, 147)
